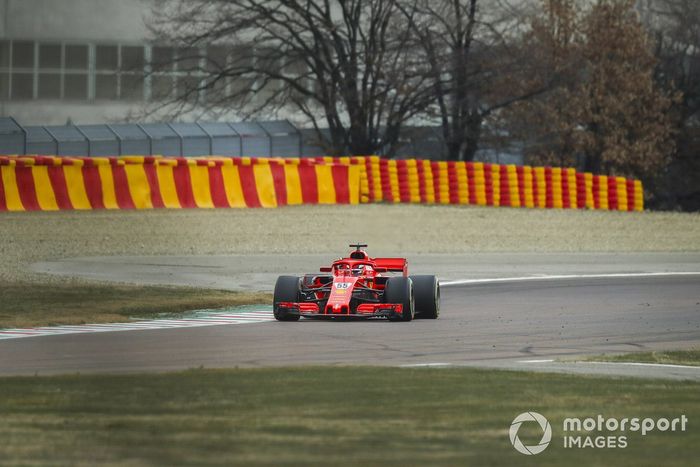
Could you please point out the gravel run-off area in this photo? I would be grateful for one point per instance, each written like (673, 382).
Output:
(388, 229)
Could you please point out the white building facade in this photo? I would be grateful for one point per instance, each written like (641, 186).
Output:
(84, 61)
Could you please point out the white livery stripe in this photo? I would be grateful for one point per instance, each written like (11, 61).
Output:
(211, 319)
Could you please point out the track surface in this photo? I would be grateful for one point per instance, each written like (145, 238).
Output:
(259, 272)
(499, 324)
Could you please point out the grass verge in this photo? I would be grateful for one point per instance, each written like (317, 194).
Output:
(680, 357)
(29, 237)
(330, 416)
(27, 305)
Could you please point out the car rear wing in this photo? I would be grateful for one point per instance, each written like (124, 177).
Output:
(392, 264)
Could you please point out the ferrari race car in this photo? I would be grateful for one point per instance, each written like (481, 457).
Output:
(361, 287)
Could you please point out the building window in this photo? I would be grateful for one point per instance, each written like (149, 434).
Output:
(106, 58)
(75, 78)
(50, 56)
(49, 86)
(188, 59)
(106, 86)
(268, 60)
(50, 71)
(83, 72)
(23, 55)
(106, 68)
(76, 86)
(132, 86)
(188, 88)
(22, 86)
(162, 58)
(132, 73)
(22, 70)
(4, 70)
(162, 87)
(5, 54)
(132, 59)
(4, 85)
(76, 57)
(242, 60)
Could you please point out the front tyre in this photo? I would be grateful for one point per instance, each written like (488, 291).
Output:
(427, 290)
(400, 290)
(286, 290)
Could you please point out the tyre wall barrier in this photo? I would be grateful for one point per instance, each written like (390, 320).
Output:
(484, 184)
(57, 183)
(144, 182)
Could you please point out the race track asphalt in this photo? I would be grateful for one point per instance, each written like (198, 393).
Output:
(515, 325)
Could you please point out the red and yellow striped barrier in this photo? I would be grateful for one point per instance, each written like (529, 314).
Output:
(57, 183)
(484, 184)
(52, 183)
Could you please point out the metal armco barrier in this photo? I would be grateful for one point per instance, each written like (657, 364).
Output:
(33, 183)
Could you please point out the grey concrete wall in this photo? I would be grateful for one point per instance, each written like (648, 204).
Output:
(94, 20)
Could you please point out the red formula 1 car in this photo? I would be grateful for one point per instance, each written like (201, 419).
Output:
(360, 287)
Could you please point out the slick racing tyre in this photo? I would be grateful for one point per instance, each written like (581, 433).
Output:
(286, 290)
(400, 290)
(427, 292)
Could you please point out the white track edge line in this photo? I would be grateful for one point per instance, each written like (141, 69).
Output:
(425, 365)
(581, 362)
(566, 276)
(662, 365)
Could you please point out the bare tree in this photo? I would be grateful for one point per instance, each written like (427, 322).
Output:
(475, 64)
(675, 28)
(342, 62)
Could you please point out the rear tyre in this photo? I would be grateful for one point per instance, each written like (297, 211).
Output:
(400, 290)
(427, 291)
(286, 290)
